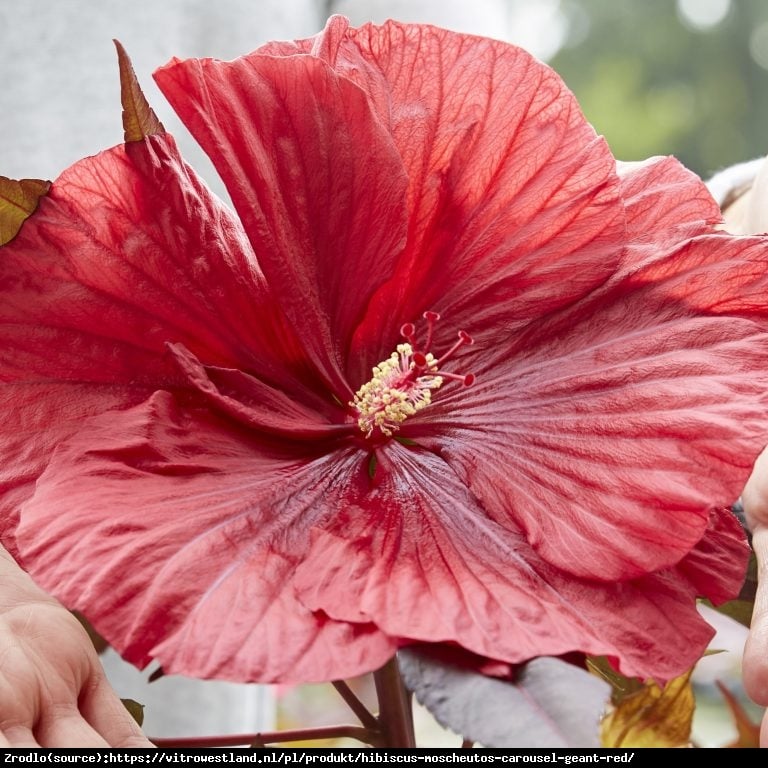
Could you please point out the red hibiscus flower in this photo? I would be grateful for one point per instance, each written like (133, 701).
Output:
(246, 446)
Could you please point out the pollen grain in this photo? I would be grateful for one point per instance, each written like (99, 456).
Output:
(399, 388)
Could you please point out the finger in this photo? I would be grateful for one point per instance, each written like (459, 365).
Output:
(764, 731)
(755, 494)
(102, 708)
(19, 736)
(68, 730)
(755, 661)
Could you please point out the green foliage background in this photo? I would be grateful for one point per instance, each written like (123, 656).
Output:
(654, 86)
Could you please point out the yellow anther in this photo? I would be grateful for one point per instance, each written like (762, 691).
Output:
(395, 392)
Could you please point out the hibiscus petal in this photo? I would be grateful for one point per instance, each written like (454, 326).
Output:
(624, 421)
(128, 251)
(257, 405)
(665, 203)
(36, 417)
(513, 201)
(440, 571)
(201, 578)
(717, 564)
(315, 178)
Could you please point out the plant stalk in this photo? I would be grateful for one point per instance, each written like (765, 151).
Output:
(395, 713)
(275, 737)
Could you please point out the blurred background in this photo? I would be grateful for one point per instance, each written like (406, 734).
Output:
(681, 77)
(685, 77)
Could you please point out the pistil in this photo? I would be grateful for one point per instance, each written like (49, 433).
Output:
(402, 385)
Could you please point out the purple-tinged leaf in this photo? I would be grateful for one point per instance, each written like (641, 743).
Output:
(550, 704)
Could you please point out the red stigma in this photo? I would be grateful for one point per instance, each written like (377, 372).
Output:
(408, 332)
(420, 354)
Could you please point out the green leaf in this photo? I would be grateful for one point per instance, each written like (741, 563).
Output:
(139, 120)
(550, 703)
(135, 709)
(738, 610)
(18, 201)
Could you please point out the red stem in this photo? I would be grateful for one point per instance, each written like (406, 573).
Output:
(392, 728)
(395, 714)
(364, 735)
(357, 706)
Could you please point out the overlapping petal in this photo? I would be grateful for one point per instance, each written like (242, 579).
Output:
(256, 405)
(665, 203)
(717, 564)
(315, 178)
(130, 251)
(91, 297)
(713, 569)
(188, 533)
(36, 417)
(508, 189)
(496, 597)
(610, 432)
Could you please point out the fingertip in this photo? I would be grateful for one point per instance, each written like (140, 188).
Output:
(755, 664)
(755, 658)
(755, 493)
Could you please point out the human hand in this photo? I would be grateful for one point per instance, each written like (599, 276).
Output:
(53, 690)
(742, 191)
(755, 660)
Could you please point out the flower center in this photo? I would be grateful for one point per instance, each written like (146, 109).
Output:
(403, 384)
